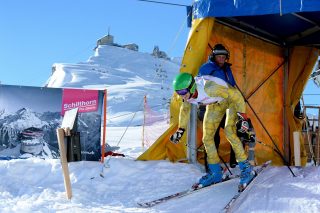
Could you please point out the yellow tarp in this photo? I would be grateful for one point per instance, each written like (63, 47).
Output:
(259, 69)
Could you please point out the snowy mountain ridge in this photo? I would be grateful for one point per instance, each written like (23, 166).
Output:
(127, 75)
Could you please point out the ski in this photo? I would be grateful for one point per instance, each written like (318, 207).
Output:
(229, 205)
(193, 189)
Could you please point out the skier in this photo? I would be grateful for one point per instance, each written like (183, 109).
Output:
(216, 89)
(232, 160)
(219, 56)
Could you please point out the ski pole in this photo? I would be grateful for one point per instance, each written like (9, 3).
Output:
(225, 164)
(265, 129)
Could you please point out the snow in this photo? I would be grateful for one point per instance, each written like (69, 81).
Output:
(37, 185)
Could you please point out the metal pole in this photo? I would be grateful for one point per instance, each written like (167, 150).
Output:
(286, 136)
(192, 136)
(192, 148)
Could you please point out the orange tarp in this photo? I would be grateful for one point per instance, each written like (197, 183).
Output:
(271, 83)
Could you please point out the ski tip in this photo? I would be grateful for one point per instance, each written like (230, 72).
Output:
(149, 204)
(196, 186)
(144, 205)
(242, 187)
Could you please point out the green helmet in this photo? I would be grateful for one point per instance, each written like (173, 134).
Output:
(184, 81)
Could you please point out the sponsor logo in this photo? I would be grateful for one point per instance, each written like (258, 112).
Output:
(84, 100)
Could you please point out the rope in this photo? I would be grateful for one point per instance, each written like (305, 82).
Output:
(125, 131)
(179, 33)
(199, 150)
(265, 80)
(265, 129)
(118, 116)
(267, 145)
(159, 2)
(315, 74)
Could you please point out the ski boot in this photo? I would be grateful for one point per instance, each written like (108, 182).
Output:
(214, 175)
(247, 174)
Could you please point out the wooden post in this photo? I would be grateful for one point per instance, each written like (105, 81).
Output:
(296, 141)
(64, 163)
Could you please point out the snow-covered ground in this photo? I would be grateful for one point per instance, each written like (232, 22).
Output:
(36, 185)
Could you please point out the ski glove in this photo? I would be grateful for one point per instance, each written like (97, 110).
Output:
(175, 138)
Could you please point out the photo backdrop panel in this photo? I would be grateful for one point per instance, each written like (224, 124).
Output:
(29, 117)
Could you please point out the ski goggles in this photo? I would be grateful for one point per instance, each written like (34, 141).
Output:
(186, 90)
(182, 91)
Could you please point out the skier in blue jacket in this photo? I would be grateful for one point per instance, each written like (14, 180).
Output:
(218, 67)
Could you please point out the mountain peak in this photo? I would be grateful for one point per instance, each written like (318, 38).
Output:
(128, 76)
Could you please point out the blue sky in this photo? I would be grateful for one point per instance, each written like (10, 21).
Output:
(36, 34)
